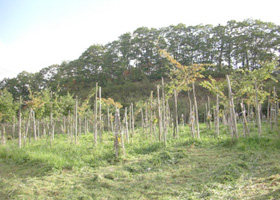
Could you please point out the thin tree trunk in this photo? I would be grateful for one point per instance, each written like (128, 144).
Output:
(76, 121)
(276, 107)
(68, 125)
(19, 124)
(232, 110)
(100, 116)
(268, 109)
(108, 119)
(209, 115)
(80, 127)
(217, 116)
(258, 111)
(34, 125)
(51, 121)
(38, 129)
(163, 108)
(44, 128)
(3, 138)
(116, 143)
(14, 126)
(146, 119)
(132, 122)
(95, 115)
(126, 125)
(159, 115)
(192, 122)
(27, 127)
(196, 112)
(142, 118)
(245, 123)
(191, 118)
(175, 115)
(151, 113)
(122, 141)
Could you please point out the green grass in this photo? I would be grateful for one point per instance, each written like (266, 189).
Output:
(209, 168)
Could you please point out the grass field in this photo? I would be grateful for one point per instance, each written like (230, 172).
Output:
(209, 168)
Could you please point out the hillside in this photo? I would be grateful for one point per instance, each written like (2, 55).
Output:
(133, 62)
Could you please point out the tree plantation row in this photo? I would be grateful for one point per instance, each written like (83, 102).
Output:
(134, 57)
(238, 98)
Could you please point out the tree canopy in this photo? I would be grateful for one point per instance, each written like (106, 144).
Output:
(134, 57)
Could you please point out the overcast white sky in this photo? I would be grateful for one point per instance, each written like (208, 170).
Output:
(38, 33)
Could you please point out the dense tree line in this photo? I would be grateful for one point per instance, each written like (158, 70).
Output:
(134, 58)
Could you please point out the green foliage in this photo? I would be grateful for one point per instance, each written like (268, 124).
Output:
(7, 106)
(244, 82)
(66, 104)
(134, 57)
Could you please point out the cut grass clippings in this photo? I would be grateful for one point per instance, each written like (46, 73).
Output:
(208, 168)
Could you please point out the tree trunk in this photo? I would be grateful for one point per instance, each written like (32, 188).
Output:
(132, 121)
(76, 121)
(151, 113)
(209, 115)
(3, 137)
(191, 117)
(108, 119)
(122, 141)
(163, 109)
(34, 125)
(217, 116)
(19, 123)
(196, 112)
(100, 116)
(146, 119)
(245, 123)
(258, 111)
(232, 110)
(276, 107)
(95, 115)
(116, 143)
(268, 109)
(142, 118)
(159, 115)
(14, 127)
(126, 125)
(175, 115)
(27, 127)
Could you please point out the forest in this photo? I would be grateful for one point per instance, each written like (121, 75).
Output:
(180, 112)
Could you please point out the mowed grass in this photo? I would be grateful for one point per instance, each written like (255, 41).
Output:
(209, 168)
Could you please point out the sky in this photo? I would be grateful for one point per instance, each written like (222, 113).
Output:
(35, 34)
